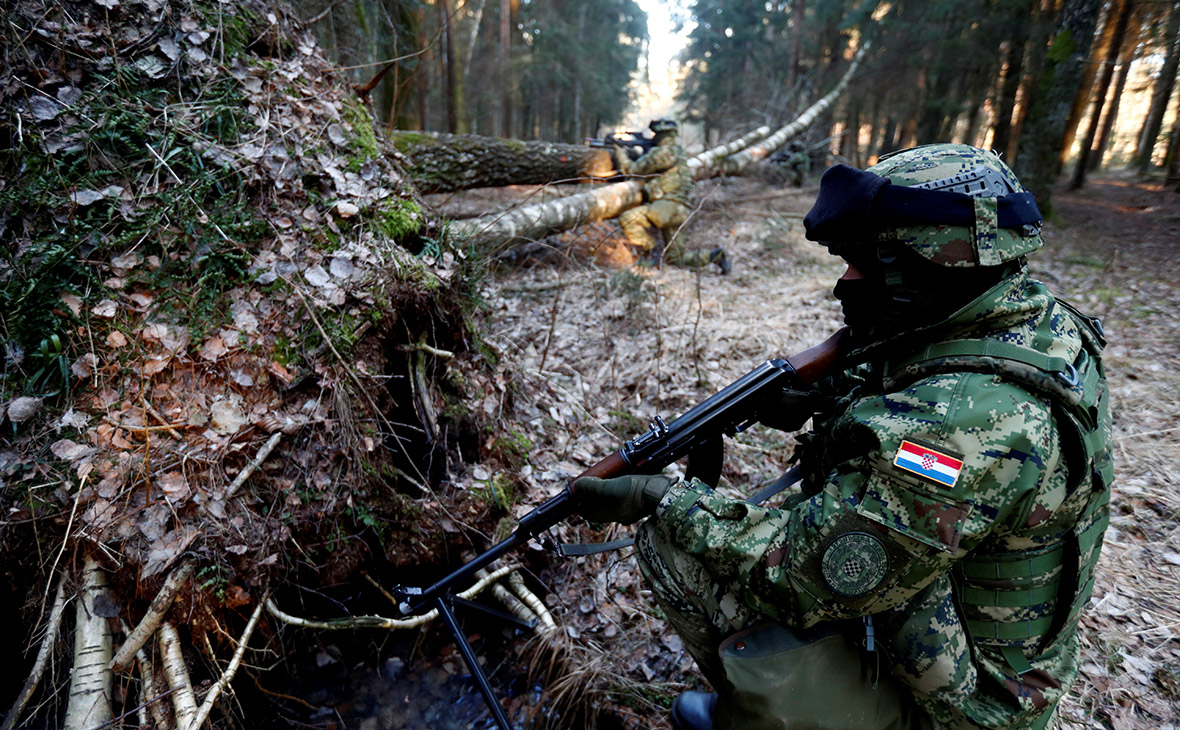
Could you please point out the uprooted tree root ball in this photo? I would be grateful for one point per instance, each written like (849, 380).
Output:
(237, 352)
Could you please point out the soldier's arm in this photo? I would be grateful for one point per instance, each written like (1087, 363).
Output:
(878, 533)
(657, 159)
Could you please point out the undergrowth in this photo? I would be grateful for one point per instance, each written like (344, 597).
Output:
(121, 180)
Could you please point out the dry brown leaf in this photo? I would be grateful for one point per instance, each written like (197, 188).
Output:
(174, 486)
(213, 348)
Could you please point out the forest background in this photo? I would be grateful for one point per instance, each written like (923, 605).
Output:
(246, 367)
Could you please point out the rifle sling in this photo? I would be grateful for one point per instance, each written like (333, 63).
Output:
(792, 476)
(576, 549)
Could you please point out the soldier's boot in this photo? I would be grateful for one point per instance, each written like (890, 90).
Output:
(719, 257)
(693, 710)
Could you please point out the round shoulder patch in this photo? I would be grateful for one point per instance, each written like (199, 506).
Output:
(854, 563)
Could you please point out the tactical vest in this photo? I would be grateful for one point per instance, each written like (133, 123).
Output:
(1024, 603)
(673, 183)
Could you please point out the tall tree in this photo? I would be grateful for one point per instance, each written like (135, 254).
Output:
(1161, 92)
(1122, 10)
(1127, 55)
(1038, 163)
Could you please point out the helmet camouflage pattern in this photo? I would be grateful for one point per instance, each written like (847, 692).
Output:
(662, 125)
(952, 204)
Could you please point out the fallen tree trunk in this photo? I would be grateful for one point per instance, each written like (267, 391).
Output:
(530, 222)
(443, 163)
(735, 163)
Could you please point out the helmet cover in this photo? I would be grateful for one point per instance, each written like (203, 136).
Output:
(952, 204)
(662, 125)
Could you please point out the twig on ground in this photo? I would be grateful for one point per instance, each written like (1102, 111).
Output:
(260, 457)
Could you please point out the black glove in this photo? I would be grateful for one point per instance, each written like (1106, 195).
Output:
(789, 409)
(623, 499)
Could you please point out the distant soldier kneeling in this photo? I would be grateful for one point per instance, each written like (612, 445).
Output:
(665, 197)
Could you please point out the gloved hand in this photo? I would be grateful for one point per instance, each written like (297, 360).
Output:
(789, 409)
(623, 499)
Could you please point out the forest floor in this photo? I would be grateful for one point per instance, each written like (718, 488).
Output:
(599, 346)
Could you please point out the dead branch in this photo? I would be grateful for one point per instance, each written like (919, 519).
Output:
(151, 620)
(184, 704)
(381, 622)
(228, 675)
(530, 599)
(47, 641)
(260, 457)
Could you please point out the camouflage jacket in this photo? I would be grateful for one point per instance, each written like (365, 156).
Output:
(925, 487)
(669, 164)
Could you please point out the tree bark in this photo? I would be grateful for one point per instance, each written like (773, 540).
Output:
(90, 682)
(1126, 56)
(1114, 46)
(1161, 94)
(447, 162)
(1091, 73)
(1006, 105)
(1047, 116)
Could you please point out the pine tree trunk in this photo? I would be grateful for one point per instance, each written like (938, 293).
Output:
(1114, 45)
(1048, 113)
(447, 162)
(1090, 73)
(1006, 104)
(1161, 94)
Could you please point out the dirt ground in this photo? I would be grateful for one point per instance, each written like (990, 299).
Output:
(601, 346)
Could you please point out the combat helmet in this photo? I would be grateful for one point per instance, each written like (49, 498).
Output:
(952, 204)
(663, 126)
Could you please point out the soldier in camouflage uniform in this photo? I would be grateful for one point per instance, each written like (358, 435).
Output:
(798, 164)
(955, 490)
(665, 197)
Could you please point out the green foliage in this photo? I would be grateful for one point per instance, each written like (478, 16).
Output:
(132, 182)
(213, 579)
(512, 448)
(579, 58)
(397, 218)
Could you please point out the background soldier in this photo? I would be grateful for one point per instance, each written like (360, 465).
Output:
(798, 164)
(665, 198)
(933, 567)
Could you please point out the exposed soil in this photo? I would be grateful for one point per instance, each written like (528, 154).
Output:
(600, 347)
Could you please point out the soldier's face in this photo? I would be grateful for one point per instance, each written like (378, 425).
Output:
(861, 298)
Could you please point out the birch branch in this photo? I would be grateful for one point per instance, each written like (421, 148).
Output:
(228, 675)
(47, 641)
(381, 622)
(90, 681)
(184, 704)
(151, 620)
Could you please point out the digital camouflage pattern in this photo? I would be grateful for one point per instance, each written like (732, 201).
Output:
(667, 207)
(970, 586)
(985, 244)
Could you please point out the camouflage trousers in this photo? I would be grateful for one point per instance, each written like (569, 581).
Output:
(767, 675)
(668, 216)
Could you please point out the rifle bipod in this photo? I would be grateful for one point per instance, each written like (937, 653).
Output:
(445, 603)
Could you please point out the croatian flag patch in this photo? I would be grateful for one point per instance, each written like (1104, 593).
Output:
(927, 462)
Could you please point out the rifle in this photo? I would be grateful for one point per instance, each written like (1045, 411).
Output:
(634, 142)
(729, 411)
